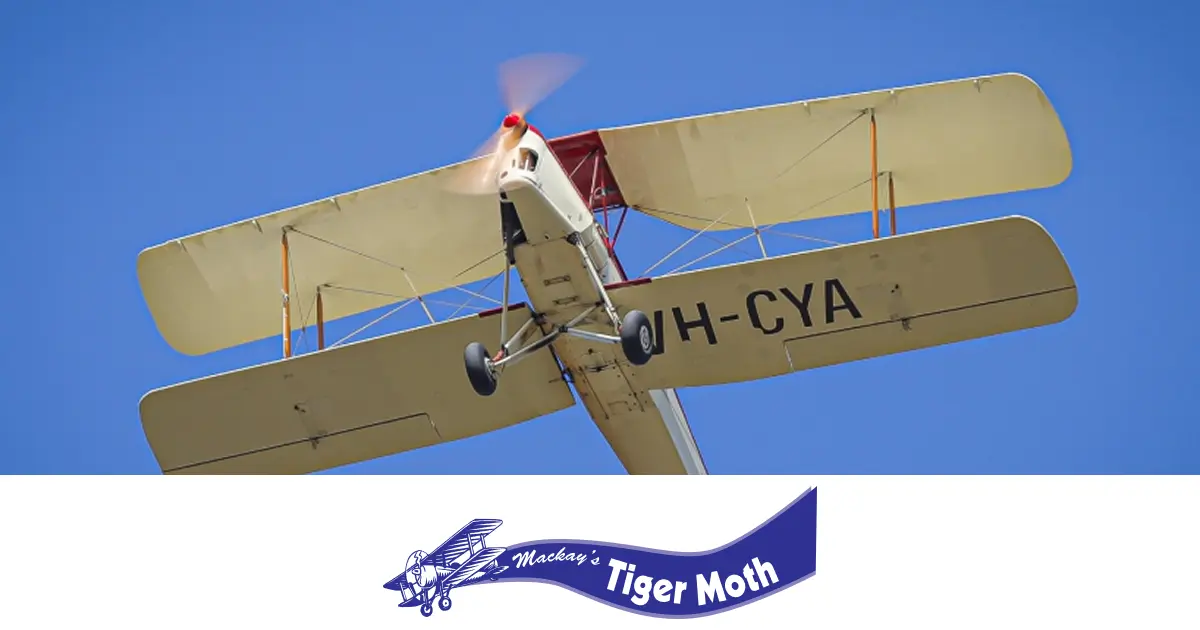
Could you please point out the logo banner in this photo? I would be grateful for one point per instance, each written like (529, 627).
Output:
(777, 554)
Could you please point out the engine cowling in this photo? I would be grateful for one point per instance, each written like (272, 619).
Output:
(417, 573)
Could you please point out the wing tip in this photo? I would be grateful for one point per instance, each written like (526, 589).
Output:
(1070, 285)
(1067, 155)
(150, 272)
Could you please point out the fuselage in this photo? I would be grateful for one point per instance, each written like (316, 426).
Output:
(647, 429)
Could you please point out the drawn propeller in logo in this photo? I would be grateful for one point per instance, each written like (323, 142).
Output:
(418, 573)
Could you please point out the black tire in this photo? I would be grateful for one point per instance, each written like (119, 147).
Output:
(426, 610)
(444, 603)
(478, 370)
(637, 337)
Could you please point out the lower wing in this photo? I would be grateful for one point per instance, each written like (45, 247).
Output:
(770, 317)
(471, 570)
(347, 404)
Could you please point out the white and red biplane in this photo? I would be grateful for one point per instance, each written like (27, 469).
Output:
(625, 345)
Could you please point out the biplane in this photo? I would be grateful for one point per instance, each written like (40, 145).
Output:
(462, 560)
(540, 207)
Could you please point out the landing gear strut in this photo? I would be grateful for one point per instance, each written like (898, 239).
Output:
(633, 332)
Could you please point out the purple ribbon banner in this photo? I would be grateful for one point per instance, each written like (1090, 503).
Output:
(779, 553)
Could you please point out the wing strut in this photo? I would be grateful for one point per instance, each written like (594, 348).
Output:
(874, 178)
(287, 306)
(892, 202)
(875, 185)
(320, 321)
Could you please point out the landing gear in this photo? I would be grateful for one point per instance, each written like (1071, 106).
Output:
(633, 332)
(426, 609)
(637, 338)
(479, 369)
(482, 369)
(444, 603)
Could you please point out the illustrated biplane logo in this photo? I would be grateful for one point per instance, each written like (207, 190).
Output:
(775, 555)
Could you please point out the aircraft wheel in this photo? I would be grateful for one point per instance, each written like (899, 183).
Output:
(478, 369)
(444, 603)
(637, 338)
(426, 610)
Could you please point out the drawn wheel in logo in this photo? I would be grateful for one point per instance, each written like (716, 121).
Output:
(444, 603)
(426, 610)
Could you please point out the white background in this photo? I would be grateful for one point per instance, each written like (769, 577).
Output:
(315, 551)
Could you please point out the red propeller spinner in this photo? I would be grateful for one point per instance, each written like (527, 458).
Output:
(524, 82)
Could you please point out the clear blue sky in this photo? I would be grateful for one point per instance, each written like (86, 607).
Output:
(124, 124)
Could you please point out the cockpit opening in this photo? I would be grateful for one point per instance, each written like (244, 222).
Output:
(527, 160)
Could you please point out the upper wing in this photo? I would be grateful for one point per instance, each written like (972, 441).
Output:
(811, 159)
(457, 544)
(221, 288)
(765, 318)
(347, 404)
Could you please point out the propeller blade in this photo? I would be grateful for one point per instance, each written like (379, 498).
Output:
(478, 177)
(524, 83)
(527, 81)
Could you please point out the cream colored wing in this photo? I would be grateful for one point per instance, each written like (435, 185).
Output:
(347, 404)
(811, 159)
(765, 318)
(222, 288)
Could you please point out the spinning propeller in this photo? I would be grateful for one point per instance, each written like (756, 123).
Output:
(524, 82)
